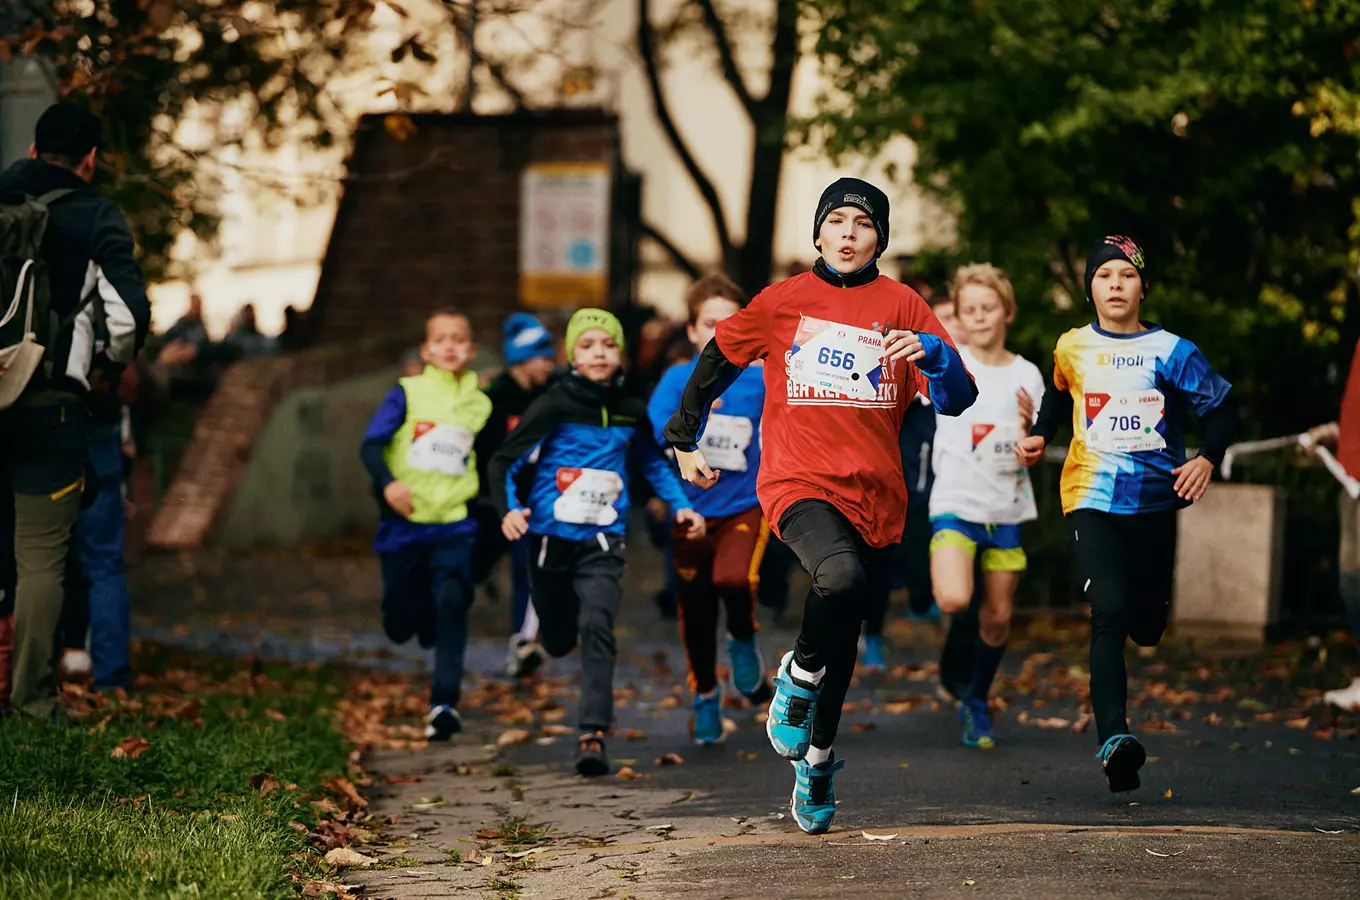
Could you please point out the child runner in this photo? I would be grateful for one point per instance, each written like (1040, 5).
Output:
(981, 494)
(577, 510)
(527, 349)
(724, 567)
(840, 341)
(418, 449)
(1125, 385)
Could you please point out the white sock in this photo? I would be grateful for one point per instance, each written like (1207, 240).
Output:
(816, 756)
(802, 674)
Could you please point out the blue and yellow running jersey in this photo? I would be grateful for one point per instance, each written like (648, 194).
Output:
(1130, 393)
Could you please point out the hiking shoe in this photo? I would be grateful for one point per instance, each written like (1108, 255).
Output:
(977, 724)
(1122, 756)
(442, 723)
(524, 658)
(707, 724)
(814, 794)
(591, 759)
(789, 724)
(748, 669)
(874, 658)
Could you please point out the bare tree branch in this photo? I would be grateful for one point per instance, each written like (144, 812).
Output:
(497, 71)
(675, 253)
(647, 50)
(729, 62)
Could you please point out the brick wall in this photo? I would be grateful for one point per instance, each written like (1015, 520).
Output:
(433, 221)
(428, 222)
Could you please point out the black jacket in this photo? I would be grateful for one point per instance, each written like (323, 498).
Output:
(87, 248)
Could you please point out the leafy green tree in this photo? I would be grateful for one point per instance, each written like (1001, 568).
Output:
(1222, 135)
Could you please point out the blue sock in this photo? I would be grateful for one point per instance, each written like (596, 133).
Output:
(986, 660)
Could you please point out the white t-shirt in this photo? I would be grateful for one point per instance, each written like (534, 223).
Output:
(977, 477)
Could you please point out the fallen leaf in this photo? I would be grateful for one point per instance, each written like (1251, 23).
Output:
(1051, 722)
(968, 882)
(634, 734)
(342, 785)
(344, 857)
(401, 779)
(1167, 795)
(521, 854)
(670, 759)
(749, 755)
(1300, 723)
(636, 873)
(1356, 791)
(131, 748)
(628, 774)
(663, 829)
(513, 736)
(863, 726)
(265, 783)
(557, 730)
(1164, 855)
(898, 708)
(274, 714)
(878, 837)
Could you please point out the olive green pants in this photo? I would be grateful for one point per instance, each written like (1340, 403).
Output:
(42, 538)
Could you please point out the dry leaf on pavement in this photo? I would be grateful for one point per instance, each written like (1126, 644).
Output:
(345, 857)
(513, 736)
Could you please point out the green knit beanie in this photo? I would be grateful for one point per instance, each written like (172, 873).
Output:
(586, 319)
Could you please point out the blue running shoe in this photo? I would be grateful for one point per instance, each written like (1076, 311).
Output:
(789, 724)
(931, 615)
(1122, 756)
(442, 723)
(977, 724)
(748, 668)
(814, 794)
(875, 660)
(707, 723)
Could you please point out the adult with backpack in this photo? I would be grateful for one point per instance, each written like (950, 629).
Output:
(64, 250)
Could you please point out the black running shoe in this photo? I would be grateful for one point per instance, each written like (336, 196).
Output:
(591, 759)
(1122, 756)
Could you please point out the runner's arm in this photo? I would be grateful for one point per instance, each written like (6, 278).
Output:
(660, 473)
(1220, 427)
(538, 421)
(384, 425)
(713, 374)
(1054, 411)
(951, 387)
(122, 290)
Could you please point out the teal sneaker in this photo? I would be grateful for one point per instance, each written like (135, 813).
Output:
(748, 670)
(814, 794)
(707, 724)
(1122, 756)
(977, 724)
(789, 724)
(875, 659)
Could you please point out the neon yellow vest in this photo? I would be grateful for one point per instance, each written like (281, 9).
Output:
(432, 451)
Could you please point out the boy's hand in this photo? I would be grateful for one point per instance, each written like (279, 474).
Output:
(1026, 404)
(697, 526)
(694, 468)
(1192, 479)
(398, 496)
(1030, 450)
(515, 525)
(898, 344)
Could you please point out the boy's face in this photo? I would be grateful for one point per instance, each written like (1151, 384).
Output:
(984, 316)
(1117, 290)
(705, 324)
(947, 313)
(847, 239)
(538, 370)
(596, 355)
(448, 343)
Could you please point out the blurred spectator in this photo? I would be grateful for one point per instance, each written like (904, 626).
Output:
(245, 340)
(294, 334)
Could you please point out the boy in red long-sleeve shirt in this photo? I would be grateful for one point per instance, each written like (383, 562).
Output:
(845, 349)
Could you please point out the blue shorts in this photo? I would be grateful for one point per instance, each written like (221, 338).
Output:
(1000, 544)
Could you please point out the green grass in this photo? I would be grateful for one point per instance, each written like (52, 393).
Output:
(517, 831)
(181, 819)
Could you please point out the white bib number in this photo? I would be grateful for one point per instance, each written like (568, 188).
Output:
(725, 441)
(440, 448)
(1124, 421)
(994, 447)
(587, 496)
(835, 357)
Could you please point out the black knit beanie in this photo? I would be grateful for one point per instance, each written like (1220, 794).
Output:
(1116, 246)
(860, 194)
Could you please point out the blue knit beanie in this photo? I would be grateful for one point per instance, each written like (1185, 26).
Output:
(525, 338)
